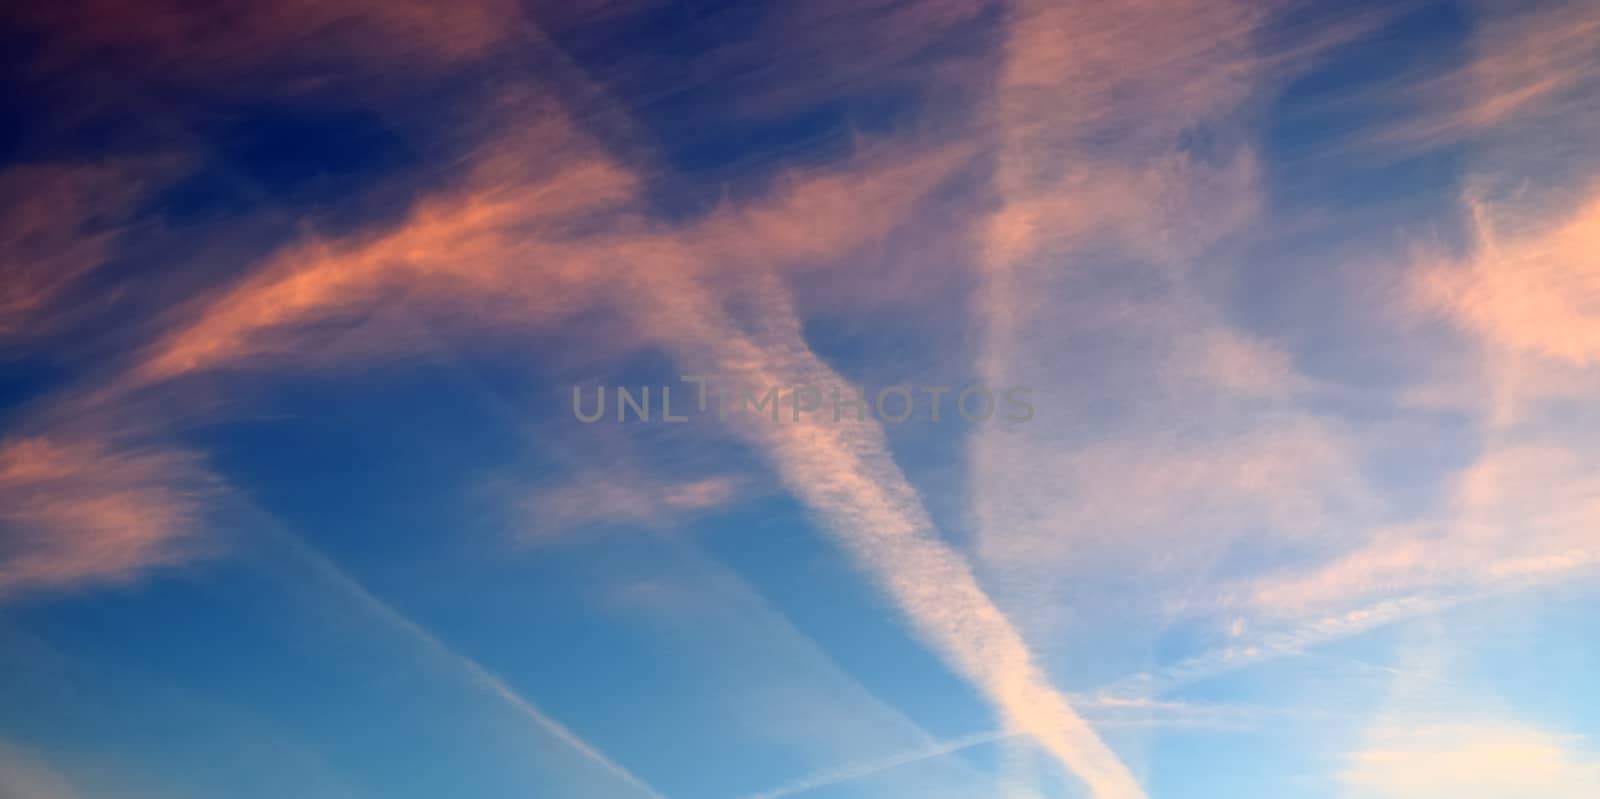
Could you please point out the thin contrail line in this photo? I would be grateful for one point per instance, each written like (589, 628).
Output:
(831, 777)
(476, 674)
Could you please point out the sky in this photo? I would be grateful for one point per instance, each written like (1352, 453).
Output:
(837, 399)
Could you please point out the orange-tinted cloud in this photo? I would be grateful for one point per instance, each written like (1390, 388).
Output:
(529, 251)
(25, 776)
(632, 499)
(1092, 105)
(796, 56)
(540, 226)
(1123, 157)
(61, 222)
(1470, 761)
(811, 217)
(239, 42)
(546, 225)
(1116, 500)
(1520, 513)
(77, 512)
(1532, 288)
(496, 243)
(1527, 63)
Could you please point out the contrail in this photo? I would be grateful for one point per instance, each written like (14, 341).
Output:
(474, 672)
(858, 771)
(847, 476)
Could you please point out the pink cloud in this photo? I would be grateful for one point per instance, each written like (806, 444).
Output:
(78, 512)
(62, 221)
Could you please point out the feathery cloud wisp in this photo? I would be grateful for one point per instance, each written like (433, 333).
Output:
(79, 512)
(61, 222)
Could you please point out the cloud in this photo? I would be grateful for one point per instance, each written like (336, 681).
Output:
(1177, 440)
(1515, 514)
(24, 776)
(1106, 711)
(607, 497)
(1114, 172)
(847, 476)
(538, 227)
(1269, 644)
(1521, 514)
(1450, 736)
(235, 44)
(808, 218)
(1470, 760)
(78, 512)
(789, 59)
(1533, 289)
(63, 220)
(1527, 64)
(492, 245)
(1167, 498)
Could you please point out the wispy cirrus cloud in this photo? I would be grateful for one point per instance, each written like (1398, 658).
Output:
(492, 245)
(1178, 437)
(1526, 64)
(1122, 158)
(1521, 513)
(1518, 513)
(791, 60)
(1071, 208)
(605, 497)
(524, 241)
(1514, 514)
(293, 39)
(62, 221)
(79, 512)
(472, 250)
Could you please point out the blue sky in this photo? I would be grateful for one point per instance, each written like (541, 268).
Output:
(1302, 301)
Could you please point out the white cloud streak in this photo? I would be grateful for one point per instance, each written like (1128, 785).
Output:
(847, 476)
